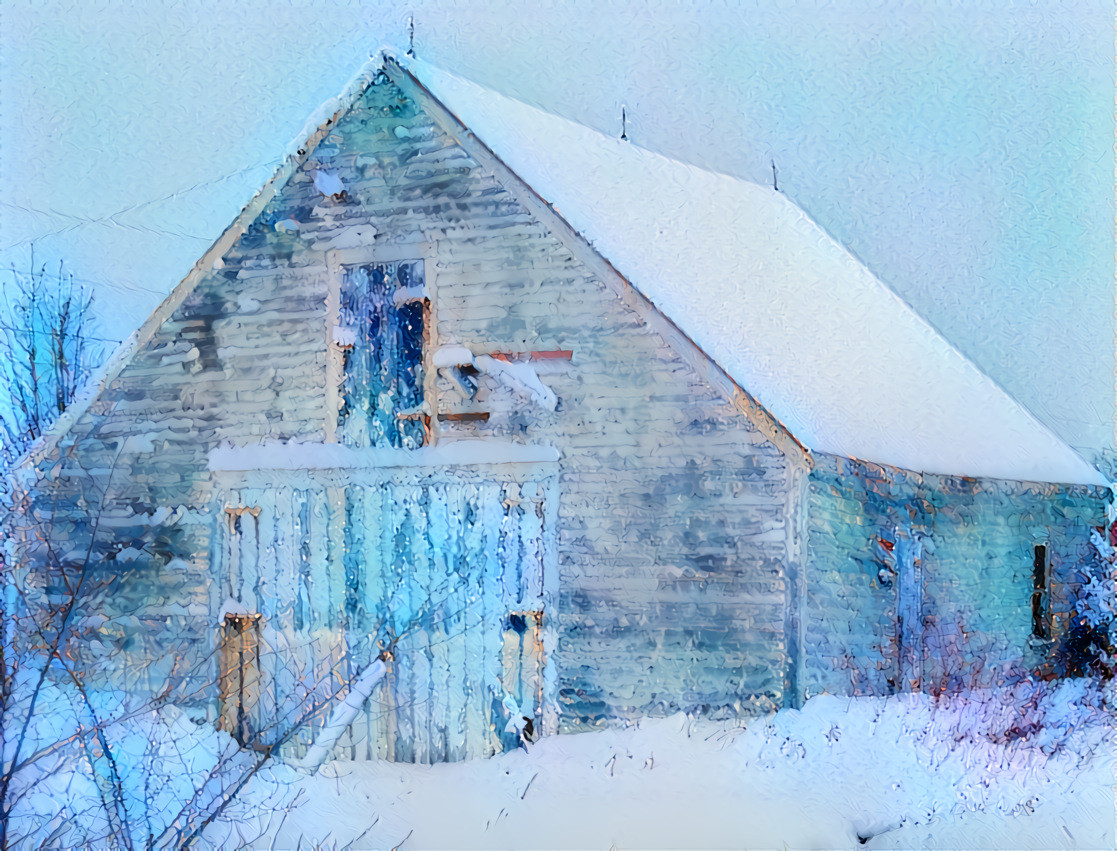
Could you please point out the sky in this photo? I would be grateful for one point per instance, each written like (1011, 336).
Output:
(963, 152)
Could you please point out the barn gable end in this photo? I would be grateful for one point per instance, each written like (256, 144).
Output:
(675, 492)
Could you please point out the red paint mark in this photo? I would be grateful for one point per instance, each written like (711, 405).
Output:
(468, 417)
(888, 545)
(552, 354)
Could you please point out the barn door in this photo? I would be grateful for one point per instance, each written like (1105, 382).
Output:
(462, 574)
(909, 614)
(451, 569)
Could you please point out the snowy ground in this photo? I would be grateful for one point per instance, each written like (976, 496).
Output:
(902, 772)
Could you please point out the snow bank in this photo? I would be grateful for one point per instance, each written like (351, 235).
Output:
(171, 764)
(902, 772)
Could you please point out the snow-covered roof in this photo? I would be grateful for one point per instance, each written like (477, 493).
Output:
(796, 320)
(790, 315)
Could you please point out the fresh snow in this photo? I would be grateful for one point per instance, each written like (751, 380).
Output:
(328, 183)
(520, 377)
(342, 716)
(901, 772)
(344, 335)
(446, 356)
(792, 316)
(231, 607)
(405, 294)
(350, 237)
(1023, 767)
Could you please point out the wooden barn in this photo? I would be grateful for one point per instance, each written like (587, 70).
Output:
(580, 433)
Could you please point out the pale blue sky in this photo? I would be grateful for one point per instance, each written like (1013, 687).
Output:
(963, 152)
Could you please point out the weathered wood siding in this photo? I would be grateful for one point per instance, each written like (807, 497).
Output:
(977, 538)
(676, 512)
(673, 519)
(241, 359)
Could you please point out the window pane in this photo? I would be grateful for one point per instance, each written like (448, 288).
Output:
(383, 371)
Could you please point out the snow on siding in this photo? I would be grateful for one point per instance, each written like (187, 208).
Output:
(328, 183)
(316, 456)
(521, 377)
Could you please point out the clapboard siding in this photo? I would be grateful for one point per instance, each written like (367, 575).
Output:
(702, 563)
(976, 564)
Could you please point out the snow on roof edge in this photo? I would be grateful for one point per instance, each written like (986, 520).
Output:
(276, 455)
(298, 150)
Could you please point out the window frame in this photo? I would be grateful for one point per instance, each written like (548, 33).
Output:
(338, 262)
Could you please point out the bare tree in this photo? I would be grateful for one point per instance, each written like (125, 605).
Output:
(71, 770)
(46, 353)
(84, 761)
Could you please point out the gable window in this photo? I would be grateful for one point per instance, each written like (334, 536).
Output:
(383, 331)
(1041, 614)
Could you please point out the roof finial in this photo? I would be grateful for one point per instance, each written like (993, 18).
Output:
(411, 35)
(775, 182)
(624, 125)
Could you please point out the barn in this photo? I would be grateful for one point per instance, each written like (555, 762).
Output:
(566, 432)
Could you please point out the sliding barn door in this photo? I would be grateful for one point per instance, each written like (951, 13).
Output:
(457, 575)
(448, 572)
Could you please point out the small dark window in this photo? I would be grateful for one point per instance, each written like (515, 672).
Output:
(1041, 627)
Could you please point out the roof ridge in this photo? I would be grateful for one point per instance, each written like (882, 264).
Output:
(408, 62)
(739, 396)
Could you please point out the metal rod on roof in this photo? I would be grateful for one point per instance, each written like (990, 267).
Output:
(624, 125)
(411, 35)
(775, 182)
